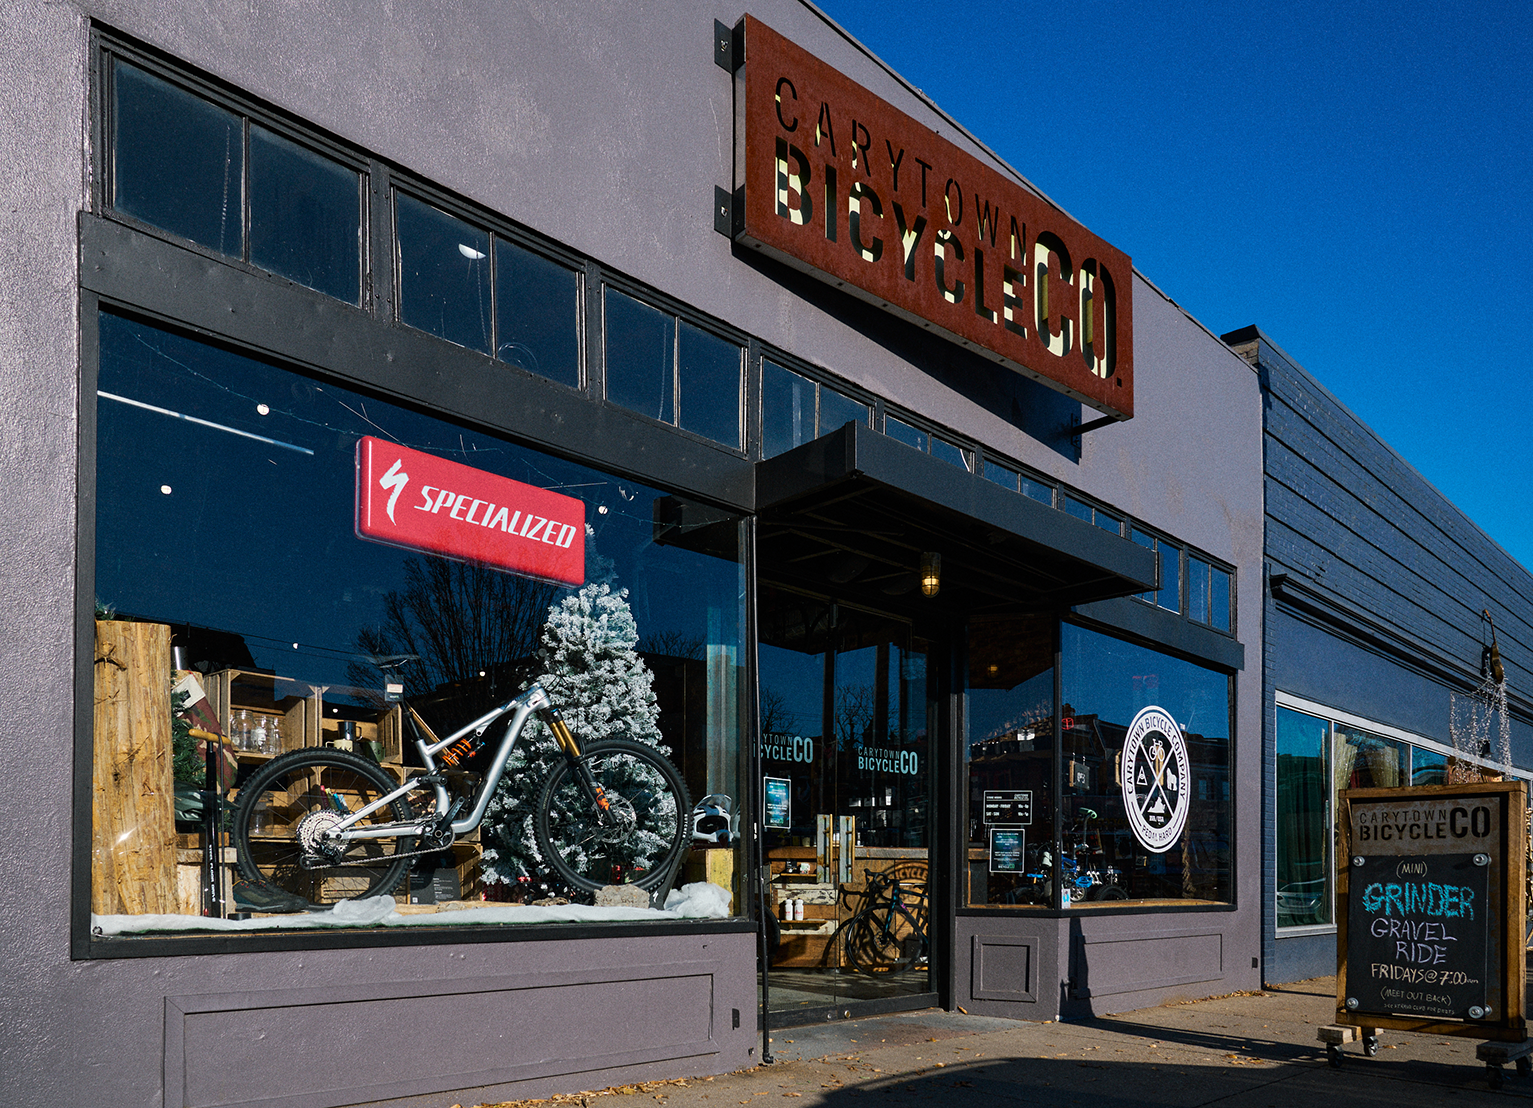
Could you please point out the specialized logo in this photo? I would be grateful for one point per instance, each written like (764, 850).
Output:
(1155, 771)
(411, 499)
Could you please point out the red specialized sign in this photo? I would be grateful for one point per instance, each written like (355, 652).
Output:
(841, 184)
(421, 502)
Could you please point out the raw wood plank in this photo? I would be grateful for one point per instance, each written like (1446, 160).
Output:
(133, 795)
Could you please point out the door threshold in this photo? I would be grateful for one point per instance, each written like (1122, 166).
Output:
(851, 1010)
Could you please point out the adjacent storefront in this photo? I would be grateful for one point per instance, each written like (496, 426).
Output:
(884, 501)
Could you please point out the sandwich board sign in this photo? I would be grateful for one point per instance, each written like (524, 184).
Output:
(1430, 909)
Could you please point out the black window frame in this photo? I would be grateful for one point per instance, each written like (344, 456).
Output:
(679, 314)
(820, 379)
(499, 230)
(1056, 827)
(158, 277)
(107, 46)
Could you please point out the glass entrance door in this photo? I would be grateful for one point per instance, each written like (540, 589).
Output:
(846, 720)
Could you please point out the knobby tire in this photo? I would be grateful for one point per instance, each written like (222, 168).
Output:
(299, 786)
(643, 837)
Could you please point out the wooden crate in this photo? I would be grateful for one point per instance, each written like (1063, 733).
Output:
(805, 942)
(297, 704)
(385, 729)
(714, 864)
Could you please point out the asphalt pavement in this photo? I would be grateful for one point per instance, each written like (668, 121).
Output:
(1249, 1050)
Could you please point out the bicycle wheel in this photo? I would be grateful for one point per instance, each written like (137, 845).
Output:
(637, 840)
(875, 944)
(284, 805)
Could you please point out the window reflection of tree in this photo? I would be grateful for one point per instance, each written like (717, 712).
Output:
(777, 718)
(461, 636)
(853, 721)
(673, 644)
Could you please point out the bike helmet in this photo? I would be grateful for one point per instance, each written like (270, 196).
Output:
(713, 820)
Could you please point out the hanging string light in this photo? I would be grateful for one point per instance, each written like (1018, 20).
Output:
(1470, 717)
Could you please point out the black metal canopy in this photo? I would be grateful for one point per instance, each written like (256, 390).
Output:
(850, 514)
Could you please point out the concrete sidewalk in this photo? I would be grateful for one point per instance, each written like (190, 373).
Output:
(1245, 1051)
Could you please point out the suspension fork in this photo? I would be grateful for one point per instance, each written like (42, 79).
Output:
(572, 753)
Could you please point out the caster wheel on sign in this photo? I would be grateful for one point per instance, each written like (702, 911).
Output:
(1370, 1045)
(1333, 1055)
(1494, 1076)
(1524, 1066)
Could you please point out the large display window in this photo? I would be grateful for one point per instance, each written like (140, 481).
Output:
(285, 565)
(1105, 782)
(1320, 752)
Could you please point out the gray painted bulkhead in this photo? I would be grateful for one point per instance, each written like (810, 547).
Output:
(1378, 582)
(607, 129)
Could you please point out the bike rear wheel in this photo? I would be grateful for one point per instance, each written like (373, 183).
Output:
(883, 940)
(283, 806)
(641, 836)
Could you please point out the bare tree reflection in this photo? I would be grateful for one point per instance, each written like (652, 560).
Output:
(853, 721)
(461, 636)
(777, 717)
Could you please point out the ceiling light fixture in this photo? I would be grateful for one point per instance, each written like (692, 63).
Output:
(931, 573)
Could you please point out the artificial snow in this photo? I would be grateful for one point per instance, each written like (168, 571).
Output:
(699, 900)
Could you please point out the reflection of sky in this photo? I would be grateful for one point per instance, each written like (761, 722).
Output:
(993, 712)
(241, 532)
(793, 691)
(1113, 680)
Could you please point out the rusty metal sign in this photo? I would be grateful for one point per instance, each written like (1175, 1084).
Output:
(841, 184)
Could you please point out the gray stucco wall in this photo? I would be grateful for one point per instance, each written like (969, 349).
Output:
(42, 98)
(606, 128)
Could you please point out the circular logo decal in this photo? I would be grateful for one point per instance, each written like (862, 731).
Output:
(1155, 779)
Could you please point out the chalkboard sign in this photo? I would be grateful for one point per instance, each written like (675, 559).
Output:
(1417, 940)
(1429, 907)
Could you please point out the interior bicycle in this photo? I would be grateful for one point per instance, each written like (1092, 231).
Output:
(322, 825)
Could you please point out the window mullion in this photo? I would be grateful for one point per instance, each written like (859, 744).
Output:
(380, 271)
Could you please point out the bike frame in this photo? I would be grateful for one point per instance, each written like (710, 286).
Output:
(530, 701)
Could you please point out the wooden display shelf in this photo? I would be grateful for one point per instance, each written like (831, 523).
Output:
(299, 708)
(294, 704)
(384, 729)
(805, 943)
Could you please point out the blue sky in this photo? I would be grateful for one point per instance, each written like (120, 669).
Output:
(1352, 177)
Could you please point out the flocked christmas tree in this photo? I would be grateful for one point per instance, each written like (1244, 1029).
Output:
(593, 673)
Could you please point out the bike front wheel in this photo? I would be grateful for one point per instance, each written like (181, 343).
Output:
(640, 836)
(285, 807)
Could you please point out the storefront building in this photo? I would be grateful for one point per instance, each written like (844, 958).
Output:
(1382, 601)
(362, 368)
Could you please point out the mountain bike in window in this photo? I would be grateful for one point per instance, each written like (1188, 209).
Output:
(322, 824)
